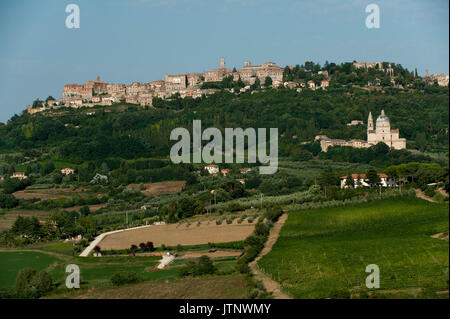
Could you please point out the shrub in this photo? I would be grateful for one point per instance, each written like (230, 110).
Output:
(76, 250)
(234, 206)
(258, 291)
(124, 277)
(243, 268)
(30, 284)
(8, 201)
(97, 249)
(203, 266)
(149, 246)
(273, 213)
(261, 229)
(133, 249)
(242, 218)
(429, 191)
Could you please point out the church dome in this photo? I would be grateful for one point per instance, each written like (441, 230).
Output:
(382, 117)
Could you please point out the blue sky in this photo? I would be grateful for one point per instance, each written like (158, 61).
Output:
(140, 40)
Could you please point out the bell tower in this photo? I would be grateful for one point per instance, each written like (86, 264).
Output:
(370, 122)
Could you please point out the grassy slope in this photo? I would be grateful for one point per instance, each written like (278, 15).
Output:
(94, 271)
(96, 274)
(323, 253)
(12, 262)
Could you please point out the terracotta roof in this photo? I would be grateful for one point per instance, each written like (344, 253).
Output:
(355, 176)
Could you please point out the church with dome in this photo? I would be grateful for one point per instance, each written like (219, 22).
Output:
(380, 132)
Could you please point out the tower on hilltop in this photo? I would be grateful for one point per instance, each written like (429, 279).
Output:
(222, 63)
(370, 122)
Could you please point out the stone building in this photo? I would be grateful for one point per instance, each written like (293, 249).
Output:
(117, 90)
(218, 74)
(324, 83)
(67, 171)
(19, 175)
(250, 72)
(97, 86)
(440, 78)
(368, 65)
(195, 79)
(382, 132)
(175, 82)
(84, 91)
(212, 169)
(355, 122)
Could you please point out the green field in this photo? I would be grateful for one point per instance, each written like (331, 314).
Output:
(12, 262)
(323, 253)
(98, 271)
(94, 271)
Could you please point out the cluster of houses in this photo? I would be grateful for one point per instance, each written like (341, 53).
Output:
(361, 180)
(17, 175)
(214, 170)
(97, 92)
(22, 175)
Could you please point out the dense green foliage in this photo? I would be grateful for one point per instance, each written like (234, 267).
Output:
(422, 118)
(203, 266)
(124, 277)
(31, 285)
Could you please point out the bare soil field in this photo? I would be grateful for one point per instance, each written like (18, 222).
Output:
(174, 234)
(218, 253)
(92, 208)
(8, 219)
(159, 188)
(44, 194)
(217, 287)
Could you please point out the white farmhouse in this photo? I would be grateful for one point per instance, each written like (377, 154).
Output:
(212, 169)
(360, 180)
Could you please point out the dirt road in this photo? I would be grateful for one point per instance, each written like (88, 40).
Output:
(271, 285)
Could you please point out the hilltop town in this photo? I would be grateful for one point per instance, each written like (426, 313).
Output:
(97, 92)
(189, 84)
